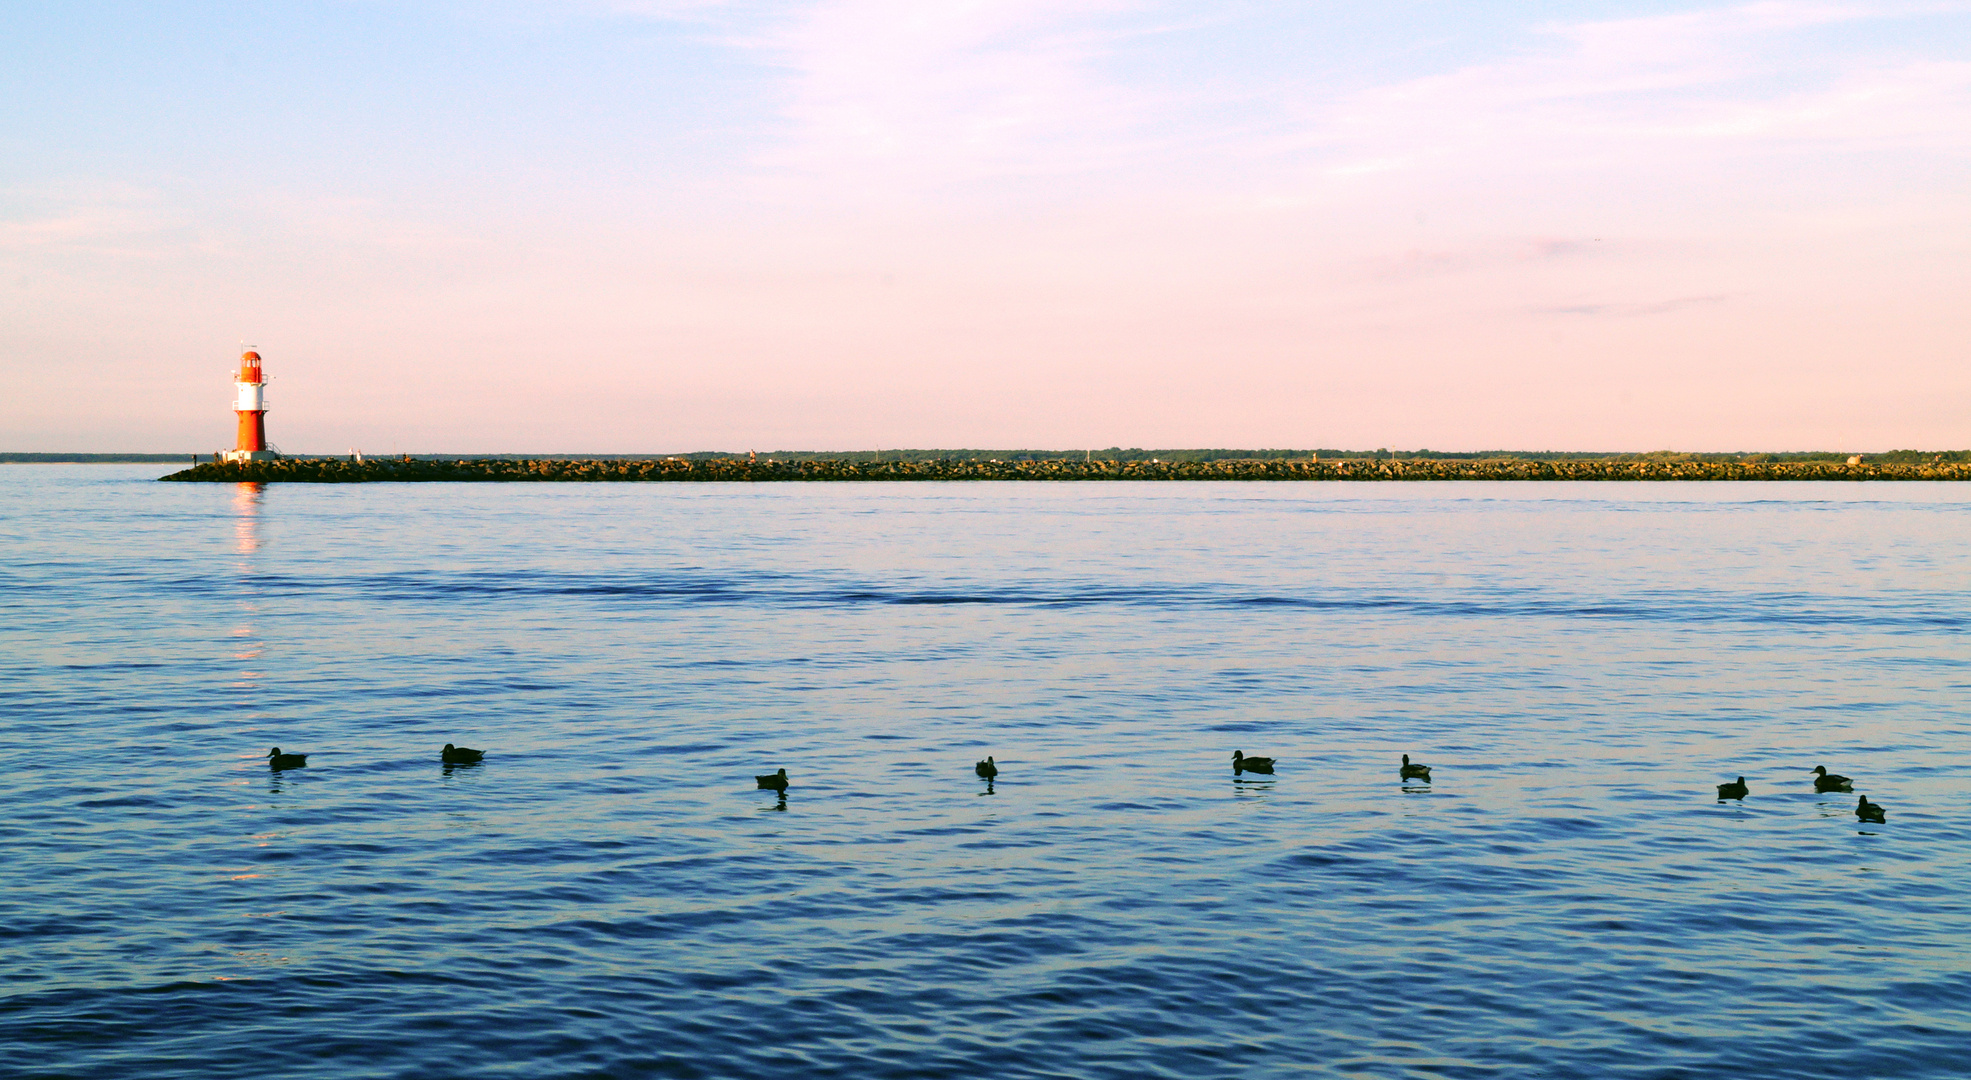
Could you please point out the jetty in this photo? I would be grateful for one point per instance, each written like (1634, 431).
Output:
(747, 470)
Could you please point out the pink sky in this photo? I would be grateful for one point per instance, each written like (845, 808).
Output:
(677, 226)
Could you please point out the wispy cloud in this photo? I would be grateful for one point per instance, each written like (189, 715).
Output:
(906, 91)
(1629, 88)
(893, 95)
(1632, 310)
(96, 217)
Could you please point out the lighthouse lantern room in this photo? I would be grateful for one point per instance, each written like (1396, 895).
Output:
(251, 408)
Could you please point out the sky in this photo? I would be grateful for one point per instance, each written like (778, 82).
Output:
(617, 226)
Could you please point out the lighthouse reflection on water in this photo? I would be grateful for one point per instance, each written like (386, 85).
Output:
(248, 648)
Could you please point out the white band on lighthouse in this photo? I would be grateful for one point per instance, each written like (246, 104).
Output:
(253, 397)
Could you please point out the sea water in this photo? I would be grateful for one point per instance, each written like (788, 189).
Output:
(610, 895)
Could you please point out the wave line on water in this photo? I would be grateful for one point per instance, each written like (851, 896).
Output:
(697, 587)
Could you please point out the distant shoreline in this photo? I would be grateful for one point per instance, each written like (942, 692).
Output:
(95, 459)
(740, 470)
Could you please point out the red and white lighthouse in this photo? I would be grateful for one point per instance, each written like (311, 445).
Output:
(251, 408)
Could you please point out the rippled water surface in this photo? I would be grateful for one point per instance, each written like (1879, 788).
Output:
(609, 895)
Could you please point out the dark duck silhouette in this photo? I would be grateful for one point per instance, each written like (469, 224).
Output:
(278, 760)
(460, 755)
(774, 782)
(1242, 763)
(986, 769)
(1733, 790)
(1870, 811)
(1827, 781)
(1415, 772)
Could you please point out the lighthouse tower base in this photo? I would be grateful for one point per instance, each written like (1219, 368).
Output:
(250, 455)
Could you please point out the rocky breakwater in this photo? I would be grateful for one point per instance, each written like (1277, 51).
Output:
(342, 471)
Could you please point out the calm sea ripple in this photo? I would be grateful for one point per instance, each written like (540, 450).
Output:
(609, 895)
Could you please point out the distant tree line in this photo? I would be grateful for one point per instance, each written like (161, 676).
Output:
(90, 459)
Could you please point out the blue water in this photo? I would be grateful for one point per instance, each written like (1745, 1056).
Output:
(609, 895)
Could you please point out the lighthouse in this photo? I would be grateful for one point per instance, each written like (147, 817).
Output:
(251, 408)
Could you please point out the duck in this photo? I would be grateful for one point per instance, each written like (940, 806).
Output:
(775, 782)
(278, 760)
(1415, 772)
(1733, 790)
(1869, 811)
(1242, 763)
(986, 769)
(1827, 781)
(460, 755)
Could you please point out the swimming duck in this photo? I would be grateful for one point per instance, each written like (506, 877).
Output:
(1733, 790)
(1242, 763)
(1827, 781)
(986, 769)
(459, 755)
(1870, 811)
(1415, 772)
(775, 782)
(278, 760)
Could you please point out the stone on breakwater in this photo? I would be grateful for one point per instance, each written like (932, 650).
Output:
(342, 471)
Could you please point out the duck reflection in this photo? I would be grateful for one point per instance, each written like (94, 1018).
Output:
(779, 804)
(988, 790)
